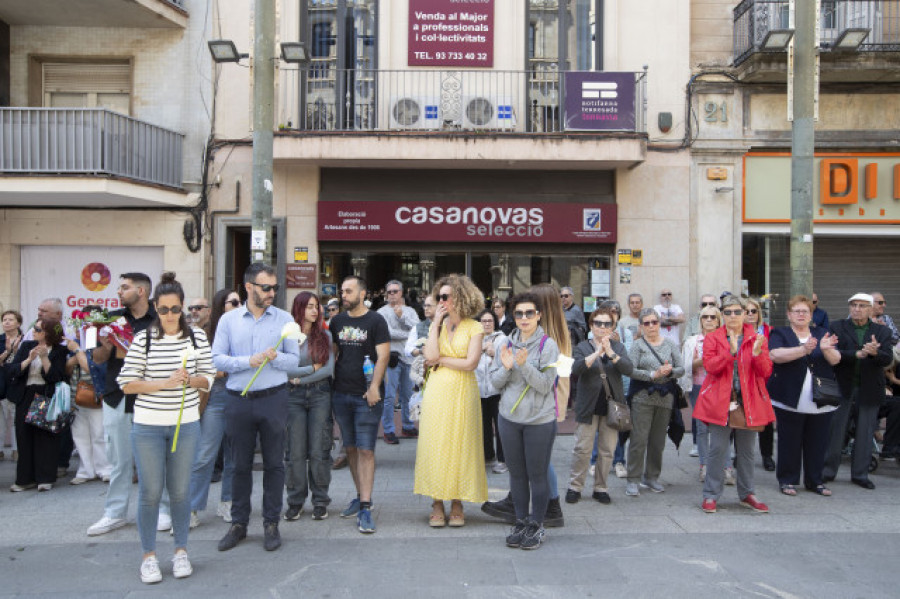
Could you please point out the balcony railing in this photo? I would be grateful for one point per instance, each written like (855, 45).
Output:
(88, 141)
(329, 99)
(753, 19)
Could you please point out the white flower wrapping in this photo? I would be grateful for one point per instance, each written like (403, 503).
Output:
(563, 366)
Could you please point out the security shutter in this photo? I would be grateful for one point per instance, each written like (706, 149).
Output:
(87, 85)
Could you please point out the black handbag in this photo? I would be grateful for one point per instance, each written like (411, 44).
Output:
(825, 391)
(679, 401)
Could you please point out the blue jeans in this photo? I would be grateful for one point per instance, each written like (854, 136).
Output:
(701, 437)
(249, 418)
(357, 420)
(397, 378)
(159, 468)
(212, 429)
(307, 458)
(117, 428)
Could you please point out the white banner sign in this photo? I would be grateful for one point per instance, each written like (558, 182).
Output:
(81, 275)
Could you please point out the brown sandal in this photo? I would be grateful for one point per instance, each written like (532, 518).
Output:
(437, 519)
(457, 518)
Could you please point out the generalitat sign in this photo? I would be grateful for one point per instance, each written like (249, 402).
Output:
(490, 222)
(451, 33)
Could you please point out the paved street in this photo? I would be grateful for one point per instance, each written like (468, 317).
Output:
(656, 545)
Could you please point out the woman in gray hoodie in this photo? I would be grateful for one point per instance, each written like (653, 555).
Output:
(527, 421)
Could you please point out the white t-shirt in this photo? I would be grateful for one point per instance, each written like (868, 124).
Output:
(672, 333)
(805, 405)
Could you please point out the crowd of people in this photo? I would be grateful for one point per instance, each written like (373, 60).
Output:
(202, 387)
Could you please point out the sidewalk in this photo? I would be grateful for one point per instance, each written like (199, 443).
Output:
(651, 546)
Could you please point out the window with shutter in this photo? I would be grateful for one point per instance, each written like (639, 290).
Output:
(87, 85)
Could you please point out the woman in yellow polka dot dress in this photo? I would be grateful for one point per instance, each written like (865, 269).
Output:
(450, 452)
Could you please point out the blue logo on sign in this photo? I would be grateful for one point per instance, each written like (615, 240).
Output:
(431, 112)
(591, 220)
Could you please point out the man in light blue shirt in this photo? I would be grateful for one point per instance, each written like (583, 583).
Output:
(244, 340)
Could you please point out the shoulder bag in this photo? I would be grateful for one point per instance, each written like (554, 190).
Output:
(85, 394)
(618, 416)
(679, 401)
(825, 391)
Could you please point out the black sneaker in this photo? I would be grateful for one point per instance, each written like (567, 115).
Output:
(768, 463)
(554, 516)
(391, 439)
(572, 496)
(235, 534)
(602, 497)
(534, 534)
(272, 539)
(319, 512)
(503, 509)
(293, 512)
(514, 539)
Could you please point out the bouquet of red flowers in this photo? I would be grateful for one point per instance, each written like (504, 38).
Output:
(116, 328)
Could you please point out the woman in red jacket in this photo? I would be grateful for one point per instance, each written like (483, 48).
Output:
(737, 363)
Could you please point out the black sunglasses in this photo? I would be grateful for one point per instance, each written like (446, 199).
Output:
(332, 308)
(166, 309)
(752, 311)
(234, 302)
(732, 312)
(444, 297)
(529, 314)
(667, 293)
(709, 317)
(393, 291)
(197, 307)
(705, 304)
(603, 324)
(268, 288)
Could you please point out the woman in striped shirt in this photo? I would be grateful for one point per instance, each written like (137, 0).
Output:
(168, 361)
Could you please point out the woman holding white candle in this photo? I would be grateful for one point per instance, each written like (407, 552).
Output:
(165, 366)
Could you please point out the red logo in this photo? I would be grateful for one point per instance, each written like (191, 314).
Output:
(95, 277)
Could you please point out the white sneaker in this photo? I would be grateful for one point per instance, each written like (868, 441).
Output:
(150, 573)
(181, 565)
(695, 453)
(224, 510)
(164, 523)
(500, 468)
(729, 476)
(105, 525)
(621, 470)
(195, 520)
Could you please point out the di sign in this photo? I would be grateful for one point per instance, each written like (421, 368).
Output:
(848, 188)
(451, 33)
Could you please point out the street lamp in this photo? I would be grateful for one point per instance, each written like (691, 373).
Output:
(224, 51)
(777, 40)
(850, 39)
(294, 53)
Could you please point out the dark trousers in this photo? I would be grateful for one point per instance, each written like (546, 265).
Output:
(308, 449)
(38, 449)
(489, 411)
(892, 430)
(767, 440)
(66, 447)
(247, 418)
(866, 420)
(802, 440)
(528, 450)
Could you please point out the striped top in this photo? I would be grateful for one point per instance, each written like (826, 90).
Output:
(161, 407)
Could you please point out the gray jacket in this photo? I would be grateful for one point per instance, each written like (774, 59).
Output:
(538, 406)
(587, 392)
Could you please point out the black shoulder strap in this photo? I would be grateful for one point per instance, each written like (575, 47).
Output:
(655, 355)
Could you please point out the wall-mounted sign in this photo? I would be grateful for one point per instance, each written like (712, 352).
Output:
(301, 254)
(498, 222)
(637, 257)
(848, 188)
(301, 276)
(624, 256)
(451, 33)
(599, 101)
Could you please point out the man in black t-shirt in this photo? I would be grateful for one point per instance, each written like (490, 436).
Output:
(358, 332)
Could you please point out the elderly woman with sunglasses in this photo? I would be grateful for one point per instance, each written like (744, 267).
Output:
(737, 363)
(767, 436)
(657, 367)
(695, 374)
(600, 364)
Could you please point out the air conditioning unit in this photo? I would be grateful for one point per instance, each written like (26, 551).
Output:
(415, 112)
(488, 112)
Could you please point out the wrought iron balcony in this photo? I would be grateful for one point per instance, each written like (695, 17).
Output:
(754, 19)
(323, 98)
(88, 141)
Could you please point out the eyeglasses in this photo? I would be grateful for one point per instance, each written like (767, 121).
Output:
(666, 293)
(163, 310)
(487, 321)
(234, 302)
(332, 308)
(268, 288)
(709, 317)
(752, 311)
(197, 308)
(799, 312)
(706, 304)
(565, 295)
(529, 314)
(444, 297)
(650, 323)
(815, 302)
(603, 324)
(38, 330)
(392, 291)
(732, 312)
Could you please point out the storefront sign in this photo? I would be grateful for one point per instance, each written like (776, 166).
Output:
(599, 101)
(451, 33)
(848, 188)
(81, 275)
(301, 276)
(489, 222)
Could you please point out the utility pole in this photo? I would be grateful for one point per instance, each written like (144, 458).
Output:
(263, 125)
(805, 70)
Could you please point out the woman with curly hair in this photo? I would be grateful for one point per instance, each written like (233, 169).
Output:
(449, 456)
(309, 423)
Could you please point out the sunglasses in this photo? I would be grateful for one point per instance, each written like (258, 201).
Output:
(565, 295)
(815, 302)
(752, 311)
(392, 291)
(197, 308)
(234, 302)
(444, 297)
(706, 304)
(732, 312)
(666, 293)
(650, 323)
(163, 310)
(709, 317)
(529, 314)
(603, 324)
(332, 308)
(268, 288)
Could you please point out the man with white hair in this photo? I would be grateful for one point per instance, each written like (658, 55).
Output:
(52, 308)
(401, 319)
(865, 348)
